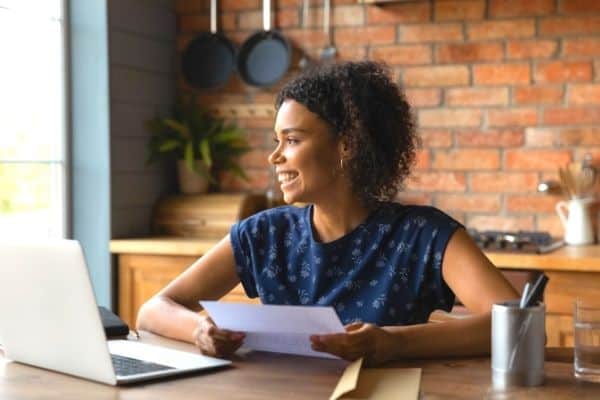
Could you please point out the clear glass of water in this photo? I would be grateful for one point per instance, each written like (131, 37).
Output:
(586, 320)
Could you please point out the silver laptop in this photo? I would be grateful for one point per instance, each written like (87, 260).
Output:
(49, 319)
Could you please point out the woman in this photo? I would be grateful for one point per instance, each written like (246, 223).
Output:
(344, 143)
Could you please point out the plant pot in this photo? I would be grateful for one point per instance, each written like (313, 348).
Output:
(191, 182)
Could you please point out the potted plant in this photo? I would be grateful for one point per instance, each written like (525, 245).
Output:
(202, 145)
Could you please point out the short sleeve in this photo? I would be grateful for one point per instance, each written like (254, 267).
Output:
(435, 291)
(241, 243)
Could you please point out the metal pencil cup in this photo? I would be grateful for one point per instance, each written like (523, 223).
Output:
(518, 339)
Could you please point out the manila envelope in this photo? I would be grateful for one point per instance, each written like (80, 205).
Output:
(377, 383)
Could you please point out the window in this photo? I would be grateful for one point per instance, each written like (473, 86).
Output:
(33, 140)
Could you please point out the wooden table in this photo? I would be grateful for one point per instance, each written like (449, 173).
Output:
(260, 376)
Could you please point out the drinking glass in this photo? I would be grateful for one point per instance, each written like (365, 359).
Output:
(586, 321)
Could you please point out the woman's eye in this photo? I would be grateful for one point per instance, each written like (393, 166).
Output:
(292, 141)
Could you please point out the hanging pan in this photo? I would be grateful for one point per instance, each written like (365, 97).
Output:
(209, 59)
(265, 56)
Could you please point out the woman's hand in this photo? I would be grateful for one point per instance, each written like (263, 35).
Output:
(360, 340)
(216, 342)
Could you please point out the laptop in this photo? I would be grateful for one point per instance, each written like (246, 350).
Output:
(49, 319)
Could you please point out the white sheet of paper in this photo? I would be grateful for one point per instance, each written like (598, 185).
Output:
(281, 329)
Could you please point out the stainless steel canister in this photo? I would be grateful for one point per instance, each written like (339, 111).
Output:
(518, 339)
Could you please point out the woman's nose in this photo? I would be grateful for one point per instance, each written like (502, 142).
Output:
(275, 157)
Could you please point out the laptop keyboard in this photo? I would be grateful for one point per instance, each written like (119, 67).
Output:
(125, 366)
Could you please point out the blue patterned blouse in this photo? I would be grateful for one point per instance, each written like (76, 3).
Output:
(387, 271)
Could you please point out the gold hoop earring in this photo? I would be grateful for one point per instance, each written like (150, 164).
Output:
(341, 163)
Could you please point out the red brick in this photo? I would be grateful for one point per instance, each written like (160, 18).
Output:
(286, 18)
(424, 97)
(579, 6)
(540, 137)
(501, 223)
(289, 3)
(501, 29)
(588, 136)
(437, 182)
(495, 139)
(551, 224)
(571, 116)
(257, 138)
(469, 52)
(402, 54)
(250, 20)
(569, 25)
(585, 47)
(504, 182)
(341, 16)
(563, 71)
(536, 160)
(516, 117)
(256, 123)
(259, 181)
(522, 49)
(469, 202)
(444, 117)
(430, 33)
(414, 198)
(530, 203)
(398, 13)
(496, 74)
(459, 10)
(436, 138)
(365, 35)
(304, 38)
(256, 158)
(451, 75)
(230, 5)
(538, 94)
(466, 159)
(351, 53)
(584, 94)
(423, 160)
(520, 8)
(477, 96)
(347, 16)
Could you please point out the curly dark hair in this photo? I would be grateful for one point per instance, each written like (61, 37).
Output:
(364, 106)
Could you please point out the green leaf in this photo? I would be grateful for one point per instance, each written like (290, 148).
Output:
(169, 145)
(188, 157)
(205, 152)
(178, 127)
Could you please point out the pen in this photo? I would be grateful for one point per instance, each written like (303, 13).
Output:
(524, 295)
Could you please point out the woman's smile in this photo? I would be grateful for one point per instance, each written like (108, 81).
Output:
(287, 178)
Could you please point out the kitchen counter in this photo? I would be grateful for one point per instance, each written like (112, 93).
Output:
(568, 258)
(173, 246)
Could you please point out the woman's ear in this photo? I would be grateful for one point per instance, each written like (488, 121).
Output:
(344, 149)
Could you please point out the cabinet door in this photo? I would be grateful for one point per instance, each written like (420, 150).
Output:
(142, 276)
(559, 330)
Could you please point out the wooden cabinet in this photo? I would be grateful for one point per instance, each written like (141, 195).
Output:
(141, 276)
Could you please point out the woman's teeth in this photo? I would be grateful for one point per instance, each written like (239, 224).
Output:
(285, 177)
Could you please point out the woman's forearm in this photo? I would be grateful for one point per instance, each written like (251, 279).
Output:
(165, 317)
(462, 337)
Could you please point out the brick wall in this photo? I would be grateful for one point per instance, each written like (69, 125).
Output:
(504, 91)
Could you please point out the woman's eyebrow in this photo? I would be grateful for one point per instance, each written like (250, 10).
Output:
(287, 131)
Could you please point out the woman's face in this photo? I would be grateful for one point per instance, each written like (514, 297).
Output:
(307, 156)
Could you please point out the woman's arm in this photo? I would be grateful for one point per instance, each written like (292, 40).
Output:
(173, 312)
(473, 279)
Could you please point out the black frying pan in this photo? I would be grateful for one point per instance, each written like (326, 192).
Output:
(209, 59)
(265, 56)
